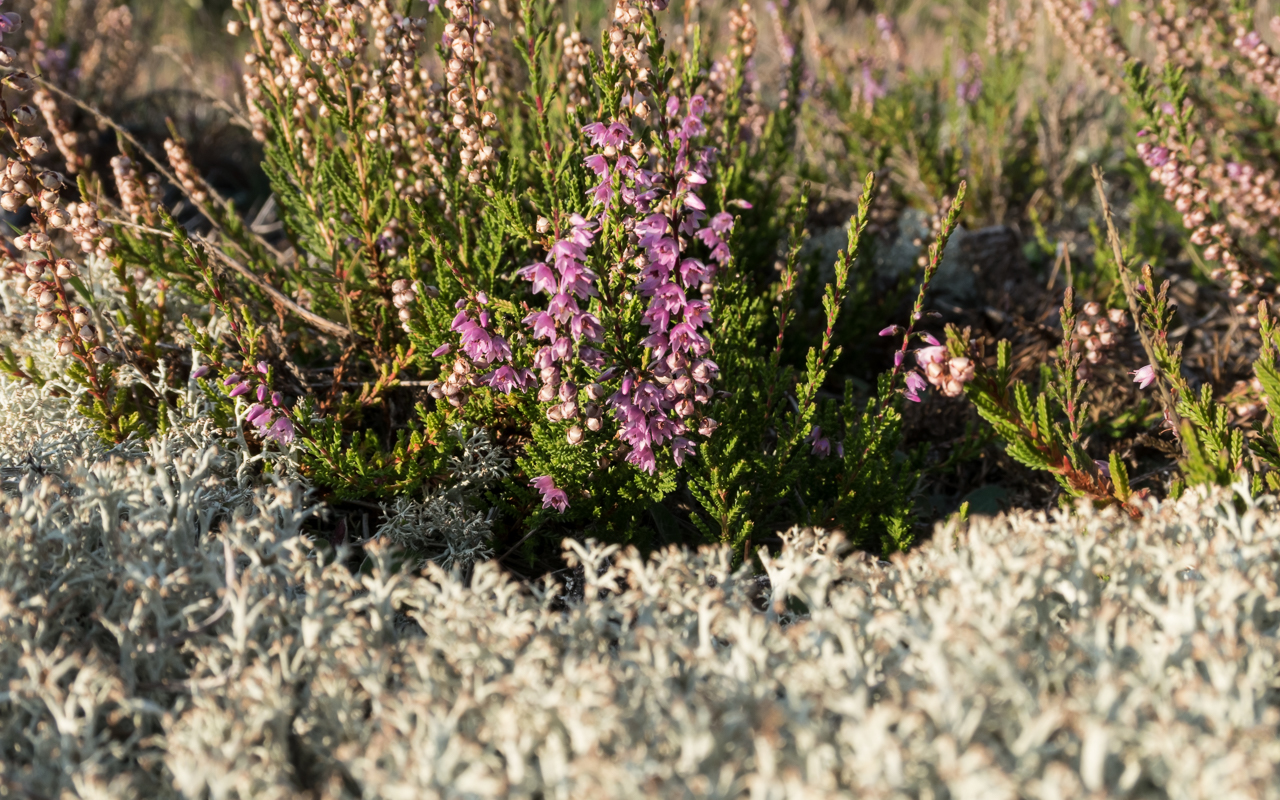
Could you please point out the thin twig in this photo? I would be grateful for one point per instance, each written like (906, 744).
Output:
(168, 176)
(280, 298)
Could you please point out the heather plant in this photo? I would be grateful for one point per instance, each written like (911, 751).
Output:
(593, 256)
(562, 249)
(529, 434)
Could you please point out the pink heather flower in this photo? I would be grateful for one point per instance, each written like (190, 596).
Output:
(931, 355)
(915, 385)
(821, 444)
(202, 372)
(276, 399)
(1103, 467)
(544, 280)
(262, 392)
(255, 413)
(262, 367)
(1144, 377)
(680, 448)
(241, 388)
(928, 337)
(892, 330)
(503, 379)
(282, 431)
(551, 496)
(442, 350)
(230, 379)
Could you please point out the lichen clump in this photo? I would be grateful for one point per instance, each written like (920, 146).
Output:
(165, 637)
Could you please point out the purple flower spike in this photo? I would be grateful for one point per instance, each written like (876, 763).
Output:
(202, 372)
(241, 388)
(551, 496)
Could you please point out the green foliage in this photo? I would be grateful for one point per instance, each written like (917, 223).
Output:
(1043, 430)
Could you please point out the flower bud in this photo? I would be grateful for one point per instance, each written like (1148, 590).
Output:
(574, 435)
(11, 201)
(593, 424)
(24, 115)
(58, 218)
(88, 333)
(45, 320)
(400, 286)
(596, 392)
(66, 346)
(35, 269)
(547, 393)
(47, 298)
(961, 369)
(80, 315)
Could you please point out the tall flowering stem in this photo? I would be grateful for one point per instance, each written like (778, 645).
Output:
(816, 365)
(1170, 381)
(252, 380)
(936, 252)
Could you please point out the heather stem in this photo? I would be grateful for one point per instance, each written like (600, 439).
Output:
(1130, 292)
